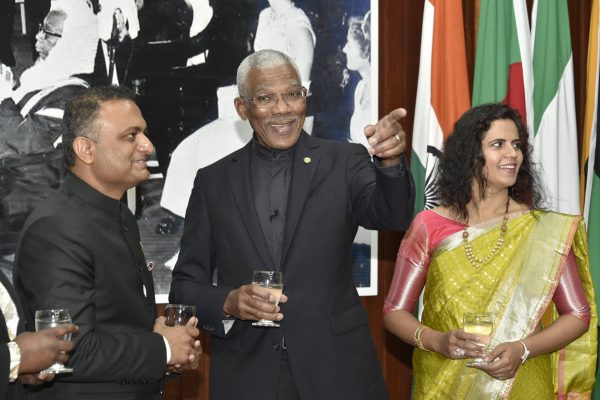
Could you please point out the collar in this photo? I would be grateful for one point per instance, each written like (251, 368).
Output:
(75, 185)
(269, 154)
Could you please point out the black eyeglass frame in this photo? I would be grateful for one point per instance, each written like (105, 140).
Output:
(303, 90)
(47, 32)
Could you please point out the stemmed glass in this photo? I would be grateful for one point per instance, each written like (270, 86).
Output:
(273, 282)
(482, 325)
(46, 319)
(178, 314)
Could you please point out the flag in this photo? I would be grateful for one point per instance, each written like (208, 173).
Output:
(555, 128)
(503, 56)
(442, 91)
(589, 169)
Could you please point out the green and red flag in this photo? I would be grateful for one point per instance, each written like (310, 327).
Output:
(503, 56)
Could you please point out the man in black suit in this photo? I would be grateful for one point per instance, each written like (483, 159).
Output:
(23, 355)
(289, 202)
(80, 249)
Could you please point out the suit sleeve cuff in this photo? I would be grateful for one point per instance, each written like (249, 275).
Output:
(394, 171)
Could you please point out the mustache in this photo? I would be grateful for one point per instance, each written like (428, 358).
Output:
(283, 119)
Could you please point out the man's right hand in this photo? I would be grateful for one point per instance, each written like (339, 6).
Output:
(41, 349)
(183, 342)
(252, 302)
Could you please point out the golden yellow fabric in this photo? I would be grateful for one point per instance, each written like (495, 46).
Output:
(516, 286)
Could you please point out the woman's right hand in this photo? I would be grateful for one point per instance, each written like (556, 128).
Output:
(455, 344)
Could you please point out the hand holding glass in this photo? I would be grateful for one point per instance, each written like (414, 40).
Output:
(46, 319)
(273, 282)
(482, 325)
(178, 314)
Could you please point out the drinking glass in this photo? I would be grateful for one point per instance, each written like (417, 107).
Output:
(273, 282)
(46, 319)
(482, 325)
(178, 314)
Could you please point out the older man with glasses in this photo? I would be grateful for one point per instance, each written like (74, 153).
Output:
(289, 202)
(31, 110)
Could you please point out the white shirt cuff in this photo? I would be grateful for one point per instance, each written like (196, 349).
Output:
(15, 361)
(168, 348)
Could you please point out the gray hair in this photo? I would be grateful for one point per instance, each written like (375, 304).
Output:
(266, 58)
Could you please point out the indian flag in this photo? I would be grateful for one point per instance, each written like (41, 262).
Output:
(442, 91)
(555, 129)
(503, 56)
(589, 170)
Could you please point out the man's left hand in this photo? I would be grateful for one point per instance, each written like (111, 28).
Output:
(387, 138)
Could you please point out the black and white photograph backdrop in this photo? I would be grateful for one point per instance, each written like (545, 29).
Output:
(180, 57)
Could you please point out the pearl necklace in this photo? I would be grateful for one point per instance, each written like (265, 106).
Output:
(475, 261)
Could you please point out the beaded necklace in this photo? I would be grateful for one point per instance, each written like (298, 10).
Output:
(475, 261)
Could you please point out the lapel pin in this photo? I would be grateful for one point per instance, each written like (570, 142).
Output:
(307, 160)
(150, 265)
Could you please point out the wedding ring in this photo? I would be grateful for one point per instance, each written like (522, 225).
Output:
(398, 137)
(459, 352)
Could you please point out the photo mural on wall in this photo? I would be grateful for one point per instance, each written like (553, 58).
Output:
(180, 57)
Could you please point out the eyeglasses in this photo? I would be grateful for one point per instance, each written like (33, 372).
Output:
(292, 96)
(47, 33)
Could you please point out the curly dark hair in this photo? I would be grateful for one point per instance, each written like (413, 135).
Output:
(462, 160)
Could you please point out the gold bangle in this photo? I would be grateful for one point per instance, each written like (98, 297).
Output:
(417, 337)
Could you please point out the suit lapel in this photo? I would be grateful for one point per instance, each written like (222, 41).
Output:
(306, 159)
(240, 184)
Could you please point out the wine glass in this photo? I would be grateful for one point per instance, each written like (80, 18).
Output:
(273, 282)
(482, 325)
(178, 314)
(46, 319)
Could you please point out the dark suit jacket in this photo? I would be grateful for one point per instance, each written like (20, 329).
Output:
(12, 391)
(334, 189)
(81, 250)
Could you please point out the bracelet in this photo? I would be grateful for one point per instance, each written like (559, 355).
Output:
(525, 352)
(417, 337)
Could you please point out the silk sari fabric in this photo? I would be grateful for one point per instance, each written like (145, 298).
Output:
(516, 285)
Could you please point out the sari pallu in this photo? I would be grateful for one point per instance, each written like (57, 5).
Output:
(516, 286)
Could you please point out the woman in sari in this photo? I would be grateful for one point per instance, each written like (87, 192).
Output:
(489, 248)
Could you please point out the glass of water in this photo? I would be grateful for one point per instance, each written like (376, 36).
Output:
(178, 314)
(273, 282)
(46, 319)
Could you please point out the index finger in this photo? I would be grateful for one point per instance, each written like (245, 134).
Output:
(60, 330)
(397, 114)
(470, 337)
(260, 292)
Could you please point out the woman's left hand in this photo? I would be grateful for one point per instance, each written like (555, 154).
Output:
(504, 361)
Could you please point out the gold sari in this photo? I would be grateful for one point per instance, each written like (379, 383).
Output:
(516, 286)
